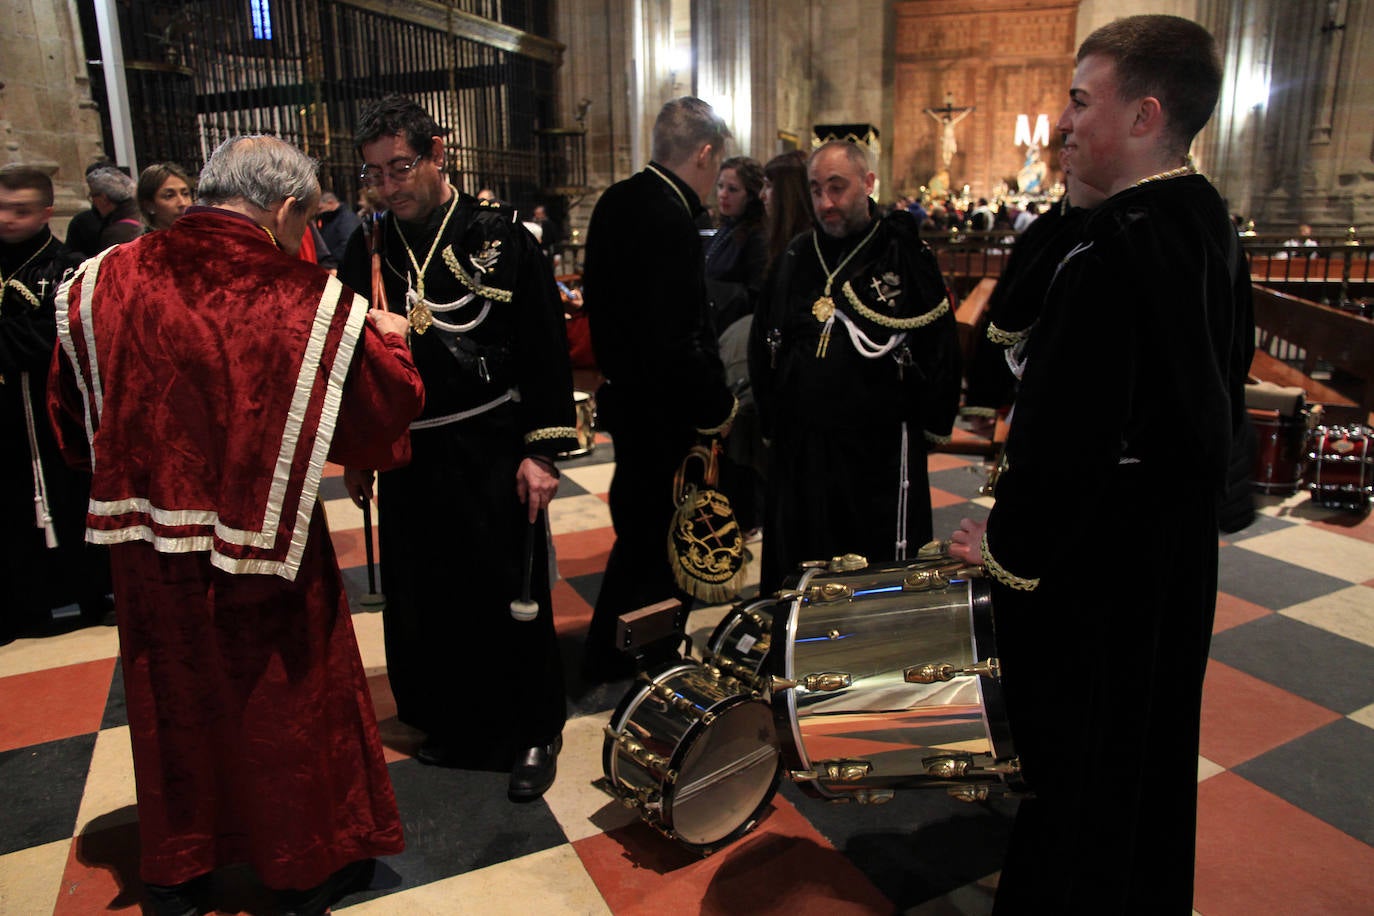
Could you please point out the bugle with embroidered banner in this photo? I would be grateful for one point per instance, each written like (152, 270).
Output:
(705, 544)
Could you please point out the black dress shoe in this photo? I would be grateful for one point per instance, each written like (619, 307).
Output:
(177, 899)
(534, 771)
(437, 754)
(355, 876)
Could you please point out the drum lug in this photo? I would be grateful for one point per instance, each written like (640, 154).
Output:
(642, 755)
(954, 766)
(848, 563)
(933, 549)
(683, 705)
(844, 770)
(830, 591)
(838, 770)
(874, 796)
(824, 681)
(968, 793)
(930, 673)
(925, 580)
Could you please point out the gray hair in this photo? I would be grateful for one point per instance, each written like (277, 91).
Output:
(259, 169)
(683, 126)
(113, 183)
(856, 154)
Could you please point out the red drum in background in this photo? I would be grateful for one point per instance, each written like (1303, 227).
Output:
(1340, 470)
(1280, 450)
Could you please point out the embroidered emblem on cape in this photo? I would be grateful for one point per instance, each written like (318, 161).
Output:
(486, 258)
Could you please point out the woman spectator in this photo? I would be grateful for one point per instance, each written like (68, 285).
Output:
(736, 256)
(164, 193)
(786, 201)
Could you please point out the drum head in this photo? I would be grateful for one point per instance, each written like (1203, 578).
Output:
(728, 772)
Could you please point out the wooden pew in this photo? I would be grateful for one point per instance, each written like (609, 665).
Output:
(969, 315)
(1344, 340)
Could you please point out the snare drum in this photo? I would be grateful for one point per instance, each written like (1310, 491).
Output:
(585, 409)
(887, 678)
(1279, 450)
(696, 754)
(1341, 467)
(739, 644)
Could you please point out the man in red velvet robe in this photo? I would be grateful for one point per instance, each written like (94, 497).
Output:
(205, 374)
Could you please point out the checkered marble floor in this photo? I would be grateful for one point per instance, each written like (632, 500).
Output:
(1285, 798)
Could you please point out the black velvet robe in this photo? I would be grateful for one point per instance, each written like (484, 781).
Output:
(452, 529)
(836, 420)
(645, 290)
(37, 577)
(1103, 546)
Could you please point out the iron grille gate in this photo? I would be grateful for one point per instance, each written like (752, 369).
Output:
(199, 72)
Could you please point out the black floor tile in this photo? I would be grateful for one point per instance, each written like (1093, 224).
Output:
(43, 785)
(457, 821)
(1325, 774)
(1305, 660)
(116, 714)
(1263, 524)
(333, 488)
(919, 846)
(1268, 582)
(587, 587)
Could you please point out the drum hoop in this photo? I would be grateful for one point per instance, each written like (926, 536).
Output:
(983, 627)
(786, 720)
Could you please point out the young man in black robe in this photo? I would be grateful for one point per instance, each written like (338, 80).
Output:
(1102, 545)
(854, 361)
(645, 291)
(488, 337)
(46, 561)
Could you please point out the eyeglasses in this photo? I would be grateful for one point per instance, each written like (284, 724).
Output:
(372, 175)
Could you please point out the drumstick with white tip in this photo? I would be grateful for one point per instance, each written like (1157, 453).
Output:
(523, 608)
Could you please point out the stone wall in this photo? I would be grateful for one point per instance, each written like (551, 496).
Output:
(47, 118)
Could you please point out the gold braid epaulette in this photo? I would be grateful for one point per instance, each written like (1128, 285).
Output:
(1005, 338)
(988, 412)
(734, 410)
(23, 291)
(999, 572)
(550, 432)
(935, 438)
(899, 324)
(486, 292)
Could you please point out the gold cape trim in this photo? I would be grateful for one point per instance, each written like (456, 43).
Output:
(734, 409)
(935, 438)
(1006, 338)
(550, 432)
(899, 324)
(23, 291)
(487, 292)
(1000, 573)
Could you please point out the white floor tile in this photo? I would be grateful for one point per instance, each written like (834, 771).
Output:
(1348, 613)
(1315, 548)
(110, 781)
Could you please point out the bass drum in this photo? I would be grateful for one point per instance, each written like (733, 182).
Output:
(696, 754)
(887, 678)
(739, 644)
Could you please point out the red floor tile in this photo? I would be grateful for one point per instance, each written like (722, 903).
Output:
(939, 461)
(1259, 855)
(941, 498)
(583, 552)
(571, 612)
(399, 740)
(351, 550)
(785, 866)
(1233, 611)
(73, 703)
(1242, 716)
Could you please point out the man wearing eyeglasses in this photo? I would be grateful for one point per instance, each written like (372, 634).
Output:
(463, 534)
